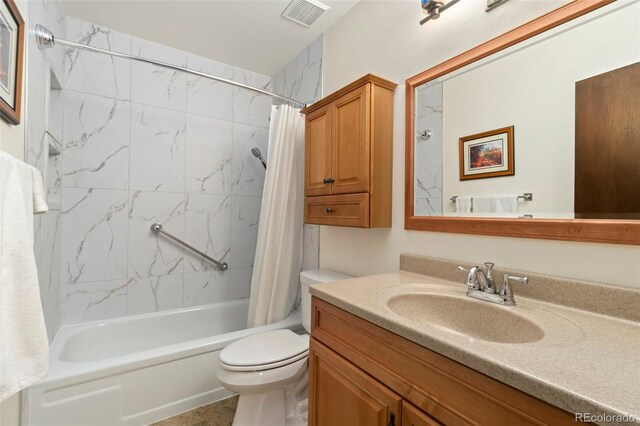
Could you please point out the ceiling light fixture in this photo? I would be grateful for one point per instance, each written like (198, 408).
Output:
(434, 8)
(492, 4)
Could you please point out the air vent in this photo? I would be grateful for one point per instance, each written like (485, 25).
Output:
(304, 12)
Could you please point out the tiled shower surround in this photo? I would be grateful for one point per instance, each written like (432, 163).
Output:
(47, 227)
(428, 153)
(145, 144)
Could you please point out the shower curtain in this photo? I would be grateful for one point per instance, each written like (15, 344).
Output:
(278, 258)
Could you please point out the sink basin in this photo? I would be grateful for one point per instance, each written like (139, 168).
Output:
(477, 319)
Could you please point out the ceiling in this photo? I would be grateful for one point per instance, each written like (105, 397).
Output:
(249, 34)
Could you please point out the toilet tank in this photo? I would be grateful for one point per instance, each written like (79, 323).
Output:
(316, 276)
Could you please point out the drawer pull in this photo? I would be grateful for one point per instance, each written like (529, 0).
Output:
(328, 180)
(329, 210)
(392, 419)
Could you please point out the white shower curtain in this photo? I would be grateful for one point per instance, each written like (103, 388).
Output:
(278, 258)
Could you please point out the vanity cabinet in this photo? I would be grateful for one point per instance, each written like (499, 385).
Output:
(345, 395)
(348, 156)
(362, 374)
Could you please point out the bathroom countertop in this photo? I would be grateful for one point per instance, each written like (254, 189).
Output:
(592, 366)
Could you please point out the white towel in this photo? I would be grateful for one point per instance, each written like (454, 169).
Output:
(495, 204)
(24, 347)
(39, 197)
(463, 204)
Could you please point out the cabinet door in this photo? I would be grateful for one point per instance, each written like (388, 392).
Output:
(412, 416)
(318, 153)
(350, 142)
(342, 394)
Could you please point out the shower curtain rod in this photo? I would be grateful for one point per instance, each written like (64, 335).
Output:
(46, 39)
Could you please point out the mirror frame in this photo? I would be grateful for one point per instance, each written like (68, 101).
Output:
(589, 230)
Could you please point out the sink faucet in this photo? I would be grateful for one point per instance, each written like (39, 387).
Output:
(479, 279)
(481, 285)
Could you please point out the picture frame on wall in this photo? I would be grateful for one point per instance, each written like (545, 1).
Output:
(11, 61)
(487, 154)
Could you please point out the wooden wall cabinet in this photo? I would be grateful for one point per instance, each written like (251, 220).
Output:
(348, 156)
(361, 375)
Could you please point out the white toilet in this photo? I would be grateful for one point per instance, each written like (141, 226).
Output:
(269, 370)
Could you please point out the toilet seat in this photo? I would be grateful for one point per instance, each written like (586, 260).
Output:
(263, 367)
(265, 351)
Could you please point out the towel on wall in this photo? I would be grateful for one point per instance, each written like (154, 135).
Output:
(495, 204)
(463, 204)
(24, 346)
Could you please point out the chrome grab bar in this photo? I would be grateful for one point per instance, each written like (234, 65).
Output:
(157, 228)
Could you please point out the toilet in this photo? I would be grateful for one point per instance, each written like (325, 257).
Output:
(269, 370)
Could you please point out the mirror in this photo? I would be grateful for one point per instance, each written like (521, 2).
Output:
(540, 132)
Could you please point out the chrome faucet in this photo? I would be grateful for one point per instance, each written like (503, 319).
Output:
(480, 280)
(481, 285)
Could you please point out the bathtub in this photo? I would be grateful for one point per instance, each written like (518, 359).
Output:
(139, 369)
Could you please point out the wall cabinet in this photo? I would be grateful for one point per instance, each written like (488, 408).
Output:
(362, 374)
(348, 156)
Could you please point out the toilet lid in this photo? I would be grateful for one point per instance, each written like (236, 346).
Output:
(265, 350)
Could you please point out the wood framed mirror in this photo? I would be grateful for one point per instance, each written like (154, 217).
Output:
(566, 223)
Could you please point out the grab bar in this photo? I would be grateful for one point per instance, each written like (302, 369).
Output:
(157, 228)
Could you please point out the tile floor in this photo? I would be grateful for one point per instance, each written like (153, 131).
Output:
(219, 413)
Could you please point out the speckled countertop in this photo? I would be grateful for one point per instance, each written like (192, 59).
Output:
(586, 362)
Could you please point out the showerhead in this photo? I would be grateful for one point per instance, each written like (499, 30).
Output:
(256, 153)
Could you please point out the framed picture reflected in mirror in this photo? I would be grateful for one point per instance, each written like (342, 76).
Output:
(11, 61)
(488, 154)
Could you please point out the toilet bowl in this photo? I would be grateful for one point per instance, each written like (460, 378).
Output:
(269, 370)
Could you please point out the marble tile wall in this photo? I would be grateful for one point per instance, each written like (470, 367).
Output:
(428, 153)
(144, 145)
(301, 79)
(44, 112)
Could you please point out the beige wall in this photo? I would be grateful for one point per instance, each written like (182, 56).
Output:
(12, 137)
(10, 411)
(384, 38)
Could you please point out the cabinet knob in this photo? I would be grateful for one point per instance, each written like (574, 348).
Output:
(329, 210)
(328, 180)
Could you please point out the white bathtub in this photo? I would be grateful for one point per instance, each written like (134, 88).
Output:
(139, 369)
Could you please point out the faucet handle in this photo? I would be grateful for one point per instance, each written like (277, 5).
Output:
(524, 280)
(506, 291)
(463, 269)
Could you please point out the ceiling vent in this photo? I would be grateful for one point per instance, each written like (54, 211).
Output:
(304, 12)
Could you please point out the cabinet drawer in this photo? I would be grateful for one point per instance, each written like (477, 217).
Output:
(338, 210)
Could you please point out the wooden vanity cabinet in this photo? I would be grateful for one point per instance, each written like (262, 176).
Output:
(348, 155)
(345, 395)
(362, 374)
